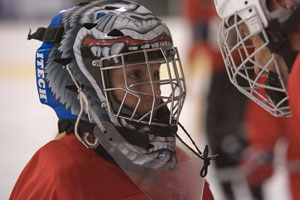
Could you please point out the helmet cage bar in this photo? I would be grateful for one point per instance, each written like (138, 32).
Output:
(164, 82)
(174, 99)
(174, 81)
(181, 101)
(123, 100)
(265, 103)
(152, 87)
(239, 59)
(179, 104)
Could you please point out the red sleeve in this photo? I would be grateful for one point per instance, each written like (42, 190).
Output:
(65, 169)
(34, 184)
(70, 171)
(262, 128)
(293, 91)
(196, 10)
(207, 194)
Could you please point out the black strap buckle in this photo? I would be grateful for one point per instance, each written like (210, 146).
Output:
(53, 34)
(49, 34)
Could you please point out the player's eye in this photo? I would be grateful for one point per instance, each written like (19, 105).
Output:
(135, 74)
(156, 74)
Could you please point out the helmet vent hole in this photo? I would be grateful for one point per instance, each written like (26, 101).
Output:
(246, 2)
(111, 8)
(83, 3)
(89, 26)
(250, 10)
(115, 33)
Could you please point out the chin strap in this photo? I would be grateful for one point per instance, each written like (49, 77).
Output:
(204, 156)
(279, 37)
(49, 34)
(84, 103)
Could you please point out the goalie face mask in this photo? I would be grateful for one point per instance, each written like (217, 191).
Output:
(145, 86)
(252, 68)
(253, 38)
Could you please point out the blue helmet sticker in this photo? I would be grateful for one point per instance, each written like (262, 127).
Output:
(45, 95)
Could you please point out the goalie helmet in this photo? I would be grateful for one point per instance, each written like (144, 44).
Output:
(84, 47)
(96, 36)
(242, 21)
(112, 64)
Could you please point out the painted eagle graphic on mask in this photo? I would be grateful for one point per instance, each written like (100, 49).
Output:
(94, 31)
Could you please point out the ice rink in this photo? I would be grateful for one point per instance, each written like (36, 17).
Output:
(26, 124)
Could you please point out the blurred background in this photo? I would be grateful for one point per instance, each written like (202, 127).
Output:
(214, 112)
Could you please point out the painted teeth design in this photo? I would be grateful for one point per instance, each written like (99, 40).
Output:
(123, 149)
(153, 155)
(151, 34)
(140, 160)
(140, 156)
(116, 48)
(132, 155)
(146, 46)
(161, 145)
(96, 51)
(161, 139)
(155, 45)
(105, 51)
(133, 48)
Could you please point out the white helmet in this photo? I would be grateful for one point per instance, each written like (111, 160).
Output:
(239, 53)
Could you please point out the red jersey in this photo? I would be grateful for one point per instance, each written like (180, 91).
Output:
(199, 10)
(65, 169)
(264, 130)
(293, 91)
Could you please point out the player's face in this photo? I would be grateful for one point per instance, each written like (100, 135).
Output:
(138, 79)
(264, 55)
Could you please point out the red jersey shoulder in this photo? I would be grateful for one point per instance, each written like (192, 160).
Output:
(67, 164)
(57, 153)
(293, 90)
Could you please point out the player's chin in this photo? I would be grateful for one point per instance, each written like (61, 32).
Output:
(147, 104)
